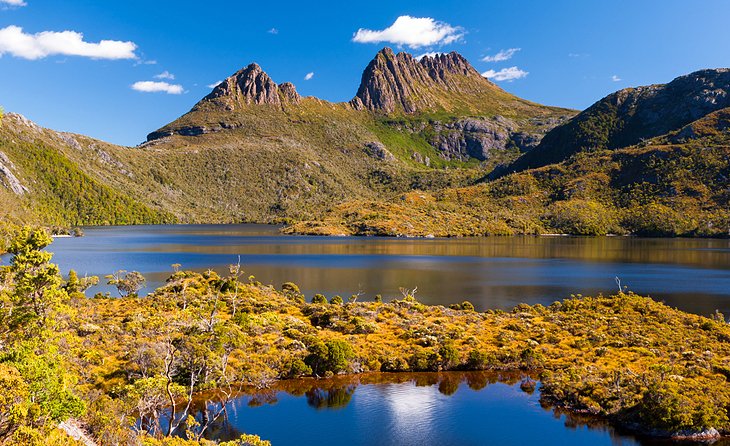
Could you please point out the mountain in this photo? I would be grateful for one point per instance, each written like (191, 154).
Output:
(672, 177)
(440, 100)
(399, 83)
(631, 115)
(404, 157)
(256, 151)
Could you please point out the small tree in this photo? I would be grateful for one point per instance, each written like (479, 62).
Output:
(127, 283)
(37, 291)
(76, 287)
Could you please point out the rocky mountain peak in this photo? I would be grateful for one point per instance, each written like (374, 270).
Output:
(251, 85)
(393, 82)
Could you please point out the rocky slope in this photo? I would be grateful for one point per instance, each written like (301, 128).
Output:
(631, 115)
(400, 83)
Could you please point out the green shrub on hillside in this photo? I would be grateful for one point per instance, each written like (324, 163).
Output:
(581, 217)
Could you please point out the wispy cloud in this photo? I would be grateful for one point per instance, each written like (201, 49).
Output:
(309, 76)
(273, 31)
(414, 32)
(505, 74)
(502, 55)
(578, 55)
(429, 54)
(15, 42)
(615, 78)
(214, 84)
(157, 87)
(12, 3)
(165, 75)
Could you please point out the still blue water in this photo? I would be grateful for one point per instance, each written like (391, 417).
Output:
(496, 272)
(429, 409)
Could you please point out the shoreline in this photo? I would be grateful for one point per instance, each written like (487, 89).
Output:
(283, 228)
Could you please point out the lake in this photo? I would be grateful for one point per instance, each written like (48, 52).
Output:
(491, 272)
(420, 409)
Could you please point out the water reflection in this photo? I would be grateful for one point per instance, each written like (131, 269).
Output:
(470, 408)
(331, 397)
(496, 272)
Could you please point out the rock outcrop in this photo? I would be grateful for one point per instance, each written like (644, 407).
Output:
(399, 82)
(472, 137)
(378, 151)
(248, 86)
(8, 179)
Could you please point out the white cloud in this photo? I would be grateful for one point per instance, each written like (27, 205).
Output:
(273, 31)
(414, 32)
(502, 55)
(309, 76)
(615, 78)
(157, 87)
(505, 74)
(165, 75)
(13, 2)
(431, 54)
(214, 84)
(68, 43)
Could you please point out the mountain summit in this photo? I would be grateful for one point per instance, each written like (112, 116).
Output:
(251, 85)
(399, 82)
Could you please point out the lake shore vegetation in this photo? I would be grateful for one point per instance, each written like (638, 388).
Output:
(120, 366)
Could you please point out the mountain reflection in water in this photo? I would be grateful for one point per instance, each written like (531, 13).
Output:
(453, 408)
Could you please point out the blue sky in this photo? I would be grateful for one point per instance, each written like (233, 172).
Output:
(573, 52)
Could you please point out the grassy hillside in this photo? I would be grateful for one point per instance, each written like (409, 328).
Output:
(658, 189)
(630, 116)
(64, 179)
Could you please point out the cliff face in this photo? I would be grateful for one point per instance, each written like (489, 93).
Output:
(631, 115)
(399, 82)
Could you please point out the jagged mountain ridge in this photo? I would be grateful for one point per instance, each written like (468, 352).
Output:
(251, 85)
(476, 119)
(631, 115)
